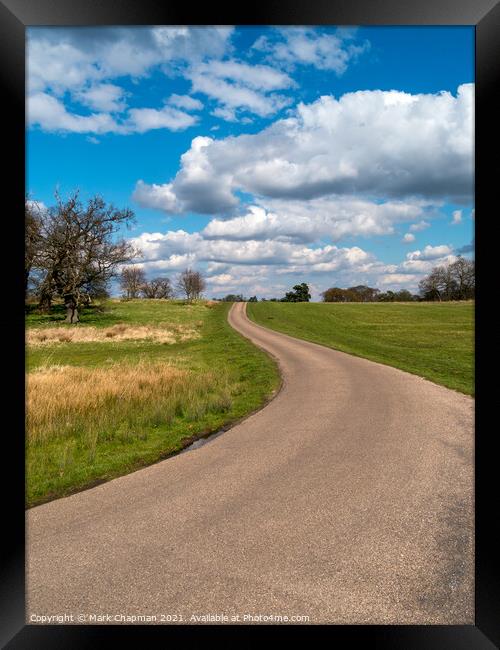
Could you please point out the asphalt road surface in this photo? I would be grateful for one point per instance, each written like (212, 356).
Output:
(347, 499)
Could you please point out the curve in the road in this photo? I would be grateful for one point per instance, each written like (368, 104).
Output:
(347, 499)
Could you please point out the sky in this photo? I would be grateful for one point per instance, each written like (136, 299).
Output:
(264, 156)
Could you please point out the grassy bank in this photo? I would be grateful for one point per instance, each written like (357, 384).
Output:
(432, 340)
(128, 386)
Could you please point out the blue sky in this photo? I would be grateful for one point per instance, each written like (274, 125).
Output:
(264, 156)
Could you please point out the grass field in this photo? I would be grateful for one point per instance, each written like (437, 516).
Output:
(129, 385)
(432, 340)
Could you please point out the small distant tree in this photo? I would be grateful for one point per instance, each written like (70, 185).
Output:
(362, 293)
(403, 296)
(234, 297)
(386, 296)
(132, 280)
(157, 288)
(252, 299)
(334, 294)
(300, 293)
(191, 284)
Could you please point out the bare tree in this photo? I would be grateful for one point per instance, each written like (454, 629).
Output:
(191, 284)
(464, 276)
(132, 280)
(453, 282)
(77, 248)
(32, 238)
(97, 288)
(433, 286)
(157, 288)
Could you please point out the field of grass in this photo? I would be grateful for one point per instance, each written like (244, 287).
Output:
(432, 340)
(130, 385)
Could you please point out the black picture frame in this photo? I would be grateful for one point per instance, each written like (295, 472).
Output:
(15, 16)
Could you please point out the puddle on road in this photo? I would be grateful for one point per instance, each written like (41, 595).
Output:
(202, 441)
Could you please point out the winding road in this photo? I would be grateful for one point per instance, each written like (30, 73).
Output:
(347, 499)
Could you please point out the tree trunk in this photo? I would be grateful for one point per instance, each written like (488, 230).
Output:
(45, 303)
(71, 310)
(71, 314)
(26, 283)
(45, 300)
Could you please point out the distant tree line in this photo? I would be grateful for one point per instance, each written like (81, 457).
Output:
(72, 252)
(360, 293)
(237, 297)
(363, 293)
(133, 284)
(455, 281)
(299, 293)
(189, 284)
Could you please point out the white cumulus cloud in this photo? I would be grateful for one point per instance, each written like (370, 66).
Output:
(185, 101)
(49, 113)
(102, 97)
(333, 218)
(430, 253)
(418, 227)
(84, 61)
(377, 143)
(294, 46)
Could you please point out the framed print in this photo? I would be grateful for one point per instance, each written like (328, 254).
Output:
(249, 322)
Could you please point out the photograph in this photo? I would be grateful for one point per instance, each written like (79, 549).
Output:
(250, 327)
(267, 231)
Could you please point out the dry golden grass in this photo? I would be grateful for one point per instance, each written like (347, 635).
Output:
(163, 333)
(113, 405)
(99, 402)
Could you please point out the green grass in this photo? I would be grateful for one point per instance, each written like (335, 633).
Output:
(75, 441)
(432, 340)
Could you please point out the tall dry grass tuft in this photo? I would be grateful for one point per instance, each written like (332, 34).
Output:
(117, 402)
(164, 333)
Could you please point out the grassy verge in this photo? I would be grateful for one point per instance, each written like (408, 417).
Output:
(128, 386)
(432, 340)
